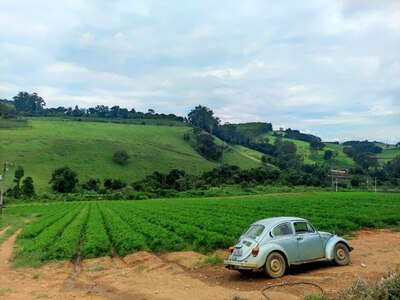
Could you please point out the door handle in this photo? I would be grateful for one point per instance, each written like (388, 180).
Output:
(299, 238)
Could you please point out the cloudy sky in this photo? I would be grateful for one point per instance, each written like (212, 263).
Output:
(326, 67)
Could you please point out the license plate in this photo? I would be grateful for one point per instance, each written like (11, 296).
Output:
(237, 252)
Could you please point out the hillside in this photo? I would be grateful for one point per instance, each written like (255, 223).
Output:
(259, 132)
(42, 144)
(303, 149)
(388, 154)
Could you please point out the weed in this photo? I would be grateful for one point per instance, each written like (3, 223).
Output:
(95, 268)
(4, 290)
(213, 259)
(387, 288)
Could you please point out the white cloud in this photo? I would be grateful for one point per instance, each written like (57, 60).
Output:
(326, 67)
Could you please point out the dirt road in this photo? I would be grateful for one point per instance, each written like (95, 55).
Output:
(175, 275)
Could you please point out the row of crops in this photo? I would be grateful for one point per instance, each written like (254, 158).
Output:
(93, 229)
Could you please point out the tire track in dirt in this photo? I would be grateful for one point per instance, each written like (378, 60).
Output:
(174, 275)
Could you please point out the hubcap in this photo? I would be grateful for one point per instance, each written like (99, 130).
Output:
(341, 254)
(275, 265)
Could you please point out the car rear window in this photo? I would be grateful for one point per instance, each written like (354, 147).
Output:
(283, 229)
(254, 230)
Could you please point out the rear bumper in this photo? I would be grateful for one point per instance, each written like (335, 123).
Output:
(235, 265)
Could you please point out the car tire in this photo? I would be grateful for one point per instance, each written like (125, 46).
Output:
(341, 254)
(275, 265)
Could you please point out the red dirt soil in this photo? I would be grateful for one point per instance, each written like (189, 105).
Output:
(177, 276)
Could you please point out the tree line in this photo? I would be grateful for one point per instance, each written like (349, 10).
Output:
(25, 104)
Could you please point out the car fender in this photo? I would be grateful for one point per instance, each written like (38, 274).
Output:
(330, 246)
(266, 250)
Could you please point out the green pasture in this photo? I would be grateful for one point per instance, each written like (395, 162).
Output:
(388, 154)
(40, 145)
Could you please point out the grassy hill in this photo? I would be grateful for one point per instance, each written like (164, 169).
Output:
(388, 154)
(303, 149)
(40, 145)
(340, 160)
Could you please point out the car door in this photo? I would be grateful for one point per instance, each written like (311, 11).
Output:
(308, 241)
(283, 236)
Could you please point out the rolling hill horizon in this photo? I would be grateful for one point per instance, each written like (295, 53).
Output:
(42, 144)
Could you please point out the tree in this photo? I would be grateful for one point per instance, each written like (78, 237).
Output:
(19, 173)
(203, 117)
(7, 108)
(63, 180)
(328, 154)
(286, 148)
(317, 145)
(91, 185)
(121, 157)
(28, 102)
(115, 184)
(206, 146)
(367, 160)
(77, 112)
(286, 157)
(392, 167)
(27, 188)
(350, 152)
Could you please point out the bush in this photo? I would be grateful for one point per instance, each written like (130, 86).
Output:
(63, 180)
(27, 188)
(91, 185)
(206, 147)
(121, 157)
(386, 288)
(186, 136)
(355, 182)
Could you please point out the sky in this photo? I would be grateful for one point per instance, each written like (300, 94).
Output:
(325, 67)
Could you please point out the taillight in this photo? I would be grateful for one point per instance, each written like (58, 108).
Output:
(231, 248)
(255, 251)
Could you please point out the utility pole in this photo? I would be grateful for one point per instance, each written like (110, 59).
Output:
(3, 178)
(336, 183)
(375, 184)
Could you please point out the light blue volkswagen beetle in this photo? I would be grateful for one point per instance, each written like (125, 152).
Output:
(275, 243)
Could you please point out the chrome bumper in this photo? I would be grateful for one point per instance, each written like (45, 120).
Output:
(231, 264)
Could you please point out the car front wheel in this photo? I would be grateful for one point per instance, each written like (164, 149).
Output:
(342, 256)
(275, 265)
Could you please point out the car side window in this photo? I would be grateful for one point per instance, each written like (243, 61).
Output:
(283, 229)
(303, 227)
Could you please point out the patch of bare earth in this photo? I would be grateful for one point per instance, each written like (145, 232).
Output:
(177, 276)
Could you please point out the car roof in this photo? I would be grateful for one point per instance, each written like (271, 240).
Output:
(269, 222)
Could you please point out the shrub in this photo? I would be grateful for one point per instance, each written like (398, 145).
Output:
(63, 180)
(121, 157)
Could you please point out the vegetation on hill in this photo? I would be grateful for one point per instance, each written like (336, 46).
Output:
(139, 152)
(25, 104)
(42, 144)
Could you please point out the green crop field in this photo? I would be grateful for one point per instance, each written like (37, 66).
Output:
(40, 145)
(62, 230)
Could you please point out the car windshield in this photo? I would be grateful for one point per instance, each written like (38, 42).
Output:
(254, 230)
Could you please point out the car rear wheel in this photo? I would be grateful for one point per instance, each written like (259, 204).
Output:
(342, 256)
(275, 265)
